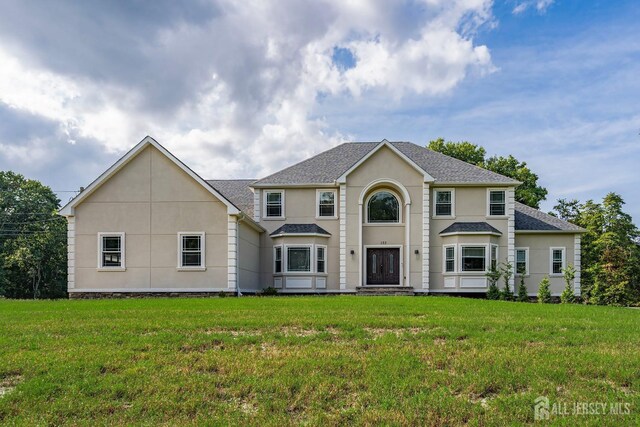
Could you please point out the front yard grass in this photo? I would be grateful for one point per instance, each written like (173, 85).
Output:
(315, 360)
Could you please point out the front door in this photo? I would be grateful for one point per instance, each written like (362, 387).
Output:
(383, 266)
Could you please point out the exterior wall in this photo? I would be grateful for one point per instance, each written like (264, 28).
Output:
(384, 165)
(248, 258)
(150, 199)
(539, 259)
(300, 208)
(470, 206)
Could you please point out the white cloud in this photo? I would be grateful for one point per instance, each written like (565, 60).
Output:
(541, 6)
(235, 95)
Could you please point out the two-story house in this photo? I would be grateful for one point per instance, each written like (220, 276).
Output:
(360, 217)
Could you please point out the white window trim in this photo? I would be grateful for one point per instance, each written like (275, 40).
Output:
(506, 203)
(335, 203)
(325, 259)
(444, 260)
(526, 261)
(281, 259)
(285, 261)
(387, 224)
(487, 258)
(120, 234)
(265, 194)
(564, 260)
(453, 203)
(202, 266)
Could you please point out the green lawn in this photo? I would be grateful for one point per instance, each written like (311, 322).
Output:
(315, 360)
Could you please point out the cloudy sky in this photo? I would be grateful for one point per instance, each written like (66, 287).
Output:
(238, 89)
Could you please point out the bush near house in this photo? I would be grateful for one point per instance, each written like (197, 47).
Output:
(311, 360)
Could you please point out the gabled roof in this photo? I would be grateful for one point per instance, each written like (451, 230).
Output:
(238, 191)
(67, 210)
(327, 167)
(529, 219)
(308, 229)
(470, 228)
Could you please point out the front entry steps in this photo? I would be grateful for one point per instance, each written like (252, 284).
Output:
(384, 290)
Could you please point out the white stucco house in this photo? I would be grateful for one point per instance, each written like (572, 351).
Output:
(358, 218)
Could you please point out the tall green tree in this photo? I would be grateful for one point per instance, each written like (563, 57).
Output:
(33, 239)
(610, 254)
(529, 192)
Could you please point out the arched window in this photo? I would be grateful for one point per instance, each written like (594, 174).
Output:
(383, 206)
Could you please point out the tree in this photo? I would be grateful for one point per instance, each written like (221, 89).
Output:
(506, 271)
(463, 150)
(610, 254)
(33, 257)
(529, 192)
(493, 276)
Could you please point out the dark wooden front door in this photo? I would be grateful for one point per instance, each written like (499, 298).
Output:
(383, 266)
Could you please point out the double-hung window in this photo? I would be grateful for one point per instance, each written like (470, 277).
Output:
(298, 259)
(111, 251)
(277, 259)
(191, 250)
(321, 265)
(497, 203)
(494, 257)
(557, 261)
(522, 261)
(474, 258)
(449, 259)
(274, 204)
(326, 204)
(443, 203)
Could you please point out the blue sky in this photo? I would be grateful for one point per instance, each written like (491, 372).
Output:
(243, 89)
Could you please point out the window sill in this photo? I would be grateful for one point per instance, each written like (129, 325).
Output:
(321, 218)
(443, 217)
(384, 224)
(274, 218)
(191, 268)
(114, 269)
(497, 217)
(556, 275)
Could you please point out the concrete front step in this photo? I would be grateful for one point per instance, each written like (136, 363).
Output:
(384, 290)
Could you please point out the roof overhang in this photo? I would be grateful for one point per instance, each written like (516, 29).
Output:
(475, 184)
(384, 143)
(302, 185)
(68, 209)
(299, 235)
(477, 233)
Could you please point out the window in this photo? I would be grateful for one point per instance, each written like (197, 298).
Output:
(522, 261)
(449, 259)
(277, 259)
(299, 259)
(191, 253)
(326, 203)
(497, 203)
(557, 261)
(443, 205)
(473, 258)
(274, 204)
(321, 266)
(111, 250)
(494, 257)
(383, 207)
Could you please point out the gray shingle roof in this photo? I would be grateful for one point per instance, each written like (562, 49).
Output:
(300, 229)
(237, 191)
(530, 219)
(470, 227)
(328, 166)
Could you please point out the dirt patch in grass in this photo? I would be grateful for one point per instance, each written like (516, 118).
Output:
(9, 383)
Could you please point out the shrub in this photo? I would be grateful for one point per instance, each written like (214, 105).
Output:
(506, 272)
(269, 291)
(544, 294)
(616, 294)
(569, 275)
(493, 275)
(522, 290)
